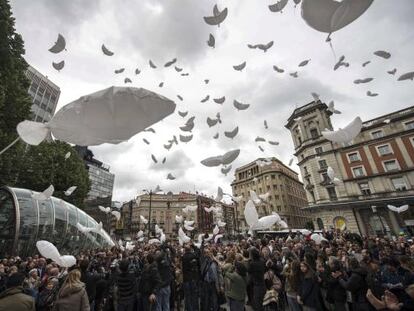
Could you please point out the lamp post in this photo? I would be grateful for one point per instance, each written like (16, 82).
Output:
(374, 210)
(150, 193)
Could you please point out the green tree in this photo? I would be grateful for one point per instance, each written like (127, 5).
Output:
(14, 100)
(45, 164)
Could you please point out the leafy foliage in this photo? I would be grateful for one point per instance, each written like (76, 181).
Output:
(14, 100)
(45, 164)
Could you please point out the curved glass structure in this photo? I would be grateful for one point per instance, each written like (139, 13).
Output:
(24, 220)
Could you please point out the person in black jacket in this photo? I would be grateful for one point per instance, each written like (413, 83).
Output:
(256, 269)
(166, 276)
(356, 284)
(149, 284)
(126, 288)
(89, 279)
(336, 294)
(191, 276)
(309, 294)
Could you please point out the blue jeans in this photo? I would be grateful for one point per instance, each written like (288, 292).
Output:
(190, 295)
(163, 299)
(293, 303)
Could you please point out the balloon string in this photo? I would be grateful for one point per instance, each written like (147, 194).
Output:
(10, 145)
(332, 49)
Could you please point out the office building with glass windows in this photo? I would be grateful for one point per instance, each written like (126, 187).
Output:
(25, 220)
(45, 95)
(102, 180)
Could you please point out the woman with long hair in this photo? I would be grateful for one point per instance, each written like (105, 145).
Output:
(292, 274)
(72, 296)
(309, 293)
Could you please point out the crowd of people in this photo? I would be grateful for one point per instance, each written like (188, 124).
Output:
(342, 272)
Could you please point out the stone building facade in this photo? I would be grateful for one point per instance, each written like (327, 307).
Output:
(286, 193)
(375, 169)
(164, 208)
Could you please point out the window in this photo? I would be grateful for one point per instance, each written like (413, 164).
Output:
(390, 165)
(314, 133)
(358, 171)
(409, 125)
(324, 177)
(305, 170)
(399, 183)
(353, 157)
(322, 164)
(318, 150)
(384, 150)
(377, 134)
(364, 187)
(332, 193)
(273, 176)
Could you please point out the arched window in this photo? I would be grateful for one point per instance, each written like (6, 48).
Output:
(319, 223)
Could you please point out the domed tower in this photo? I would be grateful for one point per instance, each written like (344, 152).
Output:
(315, 154)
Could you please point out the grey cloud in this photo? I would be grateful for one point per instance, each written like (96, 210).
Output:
(176, 161)
(177, 28)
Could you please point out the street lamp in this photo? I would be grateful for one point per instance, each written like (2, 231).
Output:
(150, 193)
(374, 210)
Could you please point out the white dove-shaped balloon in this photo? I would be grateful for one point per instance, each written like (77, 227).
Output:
(154, 241)
(106, 210)
(143, 219)
(140, 234)
(221, 223)
(398, 210)
(216, 230)
(158, 230)
(182, 237)
(264, 196)
(238, 199)
(84, 229)
(48, 250)
(70, 190)
(116, 214)
(188, 227)
(45, 195)
(254, 197)
(282, 224)
(217, 237)
(345, 135)
(317, 238)
(189, 222)
(178, 219)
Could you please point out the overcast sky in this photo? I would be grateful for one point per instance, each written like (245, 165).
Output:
(137, 31)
